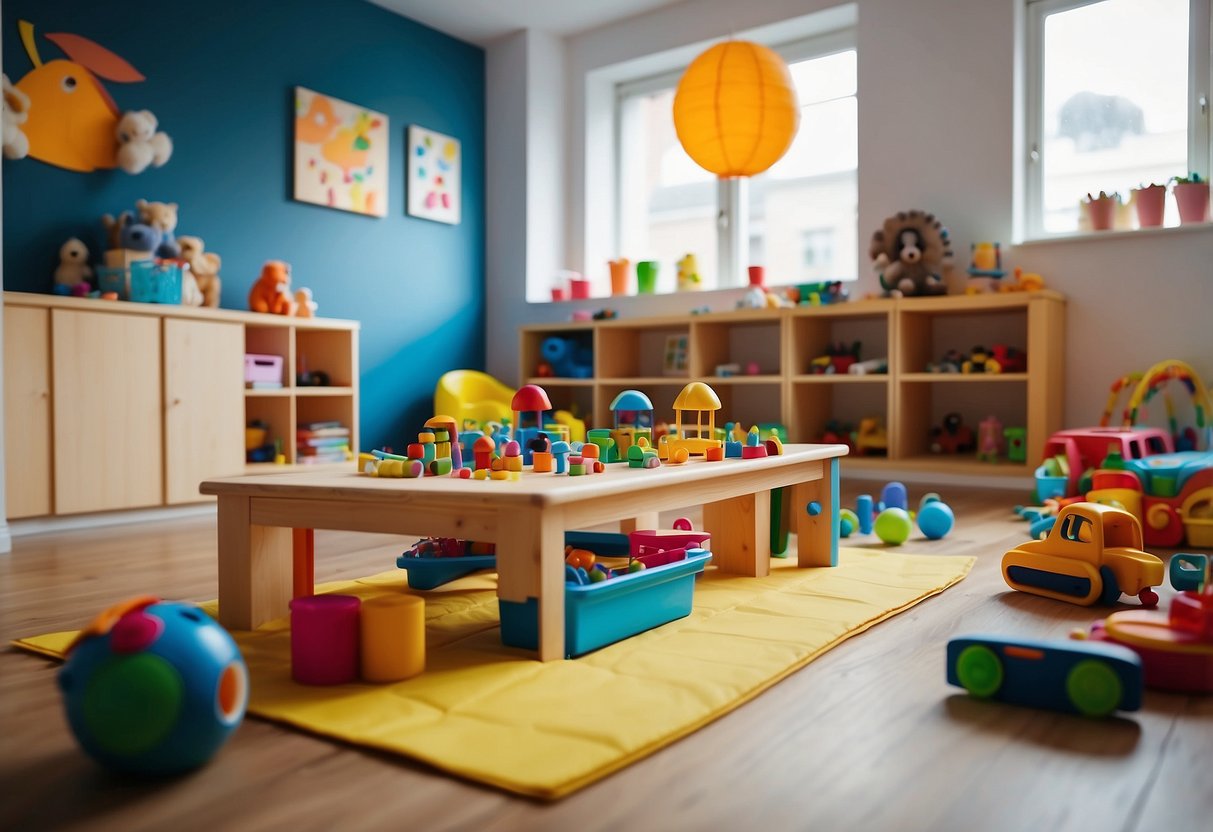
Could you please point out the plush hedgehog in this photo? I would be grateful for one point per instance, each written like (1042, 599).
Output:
(910, 254)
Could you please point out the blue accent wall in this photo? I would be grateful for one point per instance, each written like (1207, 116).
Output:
(220, 78)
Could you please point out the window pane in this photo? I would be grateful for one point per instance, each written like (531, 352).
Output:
(667, 202)
(804, 210)
(1115, 111)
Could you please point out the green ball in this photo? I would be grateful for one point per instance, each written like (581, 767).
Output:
(848, 522)
(893, 526)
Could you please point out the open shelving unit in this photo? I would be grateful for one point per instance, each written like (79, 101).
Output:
(908, 332)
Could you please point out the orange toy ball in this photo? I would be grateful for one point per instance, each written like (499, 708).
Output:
(735, 109)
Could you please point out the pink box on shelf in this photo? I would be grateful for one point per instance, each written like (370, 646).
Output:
(263, 368)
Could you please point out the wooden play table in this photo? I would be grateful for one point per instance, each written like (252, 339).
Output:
(263, 521)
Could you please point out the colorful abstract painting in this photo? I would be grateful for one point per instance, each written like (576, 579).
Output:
(340, 154)
(434, 175)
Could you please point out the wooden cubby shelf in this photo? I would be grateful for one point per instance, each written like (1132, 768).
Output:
(909, 333)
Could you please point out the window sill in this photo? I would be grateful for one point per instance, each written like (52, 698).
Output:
(1079, 236)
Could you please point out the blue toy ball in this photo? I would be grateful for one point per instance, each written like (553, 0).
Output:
(154, 687)
(935, 519)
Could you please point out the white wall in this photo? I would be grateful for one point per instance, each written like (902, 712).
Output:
(937, 127)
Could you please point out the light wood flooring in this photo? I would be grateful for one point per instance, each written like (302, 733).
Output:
(868, 737)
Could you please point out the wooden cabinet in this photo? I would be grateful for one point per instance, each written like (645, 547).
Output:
(774, 350)
(130, 405)
(27, 403)
(203, 405)
(107, 422)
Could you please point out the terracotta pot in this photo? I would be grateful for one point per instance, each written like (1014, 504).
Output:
(1192, 198)
(1151, 205)
(1102, 213)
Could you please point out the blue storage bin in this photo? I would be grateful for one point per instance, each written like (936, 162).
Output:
(596, 615)
(155, 283)
(431, 573)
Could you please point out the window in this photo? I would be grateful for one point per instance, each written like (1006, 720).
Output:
(799, 219)
(1117, 97)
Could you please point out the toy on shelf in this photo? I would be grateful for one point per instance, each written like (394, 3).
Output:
(73, 272)
(153, 687)
(271, 293)
(838, 433)
(1092, 554)
(985, 268)
(1176, 649)
(819, 294)
(951, 362)
(163, 217)
(911, 253)
(565, 358)
(688, 274)
(871, 367)
(989, 439)
(1074, 677)
(1016, 440)
(838, 359)
(953, 436)
(677, 447)
(1001, 359)
(1024, 282)
(205, 267)
(871, 437)
(257, 445)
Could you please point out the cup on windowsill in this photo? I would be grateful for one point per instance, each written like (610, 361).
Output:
(646, 277)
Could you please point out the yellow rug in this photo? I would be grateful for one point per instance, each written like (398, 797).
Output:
(489, 713)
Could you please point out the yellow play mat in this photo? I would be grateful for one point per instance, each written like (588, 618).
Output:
(492, 714)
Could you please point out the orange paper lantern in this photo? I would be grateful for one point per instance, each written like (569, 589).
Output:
(735, 109)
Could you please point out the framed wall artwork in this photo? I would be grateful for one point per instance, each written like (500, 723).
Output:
(341, 157)
(435, 168)
(674, 360)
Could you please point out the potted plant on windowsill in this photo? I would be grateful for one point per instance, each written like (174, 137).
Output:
(1192, 198)
(1151, 202)
(1102, 210)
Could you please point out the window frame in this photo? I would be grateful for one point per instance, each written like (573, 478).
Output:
(1200, 82)
(732, 195)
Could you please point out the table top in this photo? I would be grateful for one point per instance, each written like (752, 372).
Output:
(532, 489)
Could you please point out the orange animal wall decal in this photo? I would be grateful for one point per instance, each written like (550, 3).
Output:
(73, 121)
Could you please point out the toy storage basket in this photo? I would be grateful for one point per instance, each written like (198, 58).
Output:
(155, 283)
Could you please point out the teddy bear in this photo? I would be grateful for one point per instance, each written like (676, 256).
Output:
(73, 270)
(16, 113)
(125, 233)
(305, 306)
(272, 291)
(163, 216)
(139, 143)
(204, 265)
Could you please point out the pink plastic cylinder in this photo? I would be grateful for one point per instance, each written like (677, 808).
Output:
(324, 639)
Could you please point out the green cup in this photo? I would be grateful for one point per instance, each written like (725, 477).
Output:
(646, 277)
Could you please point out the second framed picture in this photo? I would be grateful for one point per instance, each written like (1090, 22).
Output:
(435, 164)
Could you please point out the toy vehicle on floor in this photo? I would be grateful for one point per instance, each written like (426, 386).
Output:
(1092, 554)
(1075, 677)
(1071, 455)
(1171, 494)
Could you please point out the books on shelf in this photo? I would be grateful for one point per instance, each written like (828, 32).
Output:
(322, 442)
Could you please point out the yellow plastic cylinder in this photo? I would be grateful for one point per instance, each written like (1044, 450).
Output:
(736, 110)
(393, 638)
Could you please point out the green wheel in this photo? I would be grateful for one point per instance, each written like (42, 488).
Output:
(979, 670)
(1094, 688)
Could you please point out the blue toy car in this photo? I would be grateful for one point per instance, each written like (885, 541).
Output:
(1088, 678)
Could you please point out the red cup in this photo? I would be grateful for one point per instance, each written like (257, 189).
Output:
(757, 274)
(579, 288)
(558, 293)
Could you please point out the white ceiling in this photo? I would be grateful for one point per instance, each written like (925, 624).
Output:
(480, 21)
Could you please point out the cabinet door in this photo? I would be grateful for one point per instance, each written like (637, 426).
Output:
(107, 424)
(27, 411)
(204, 405)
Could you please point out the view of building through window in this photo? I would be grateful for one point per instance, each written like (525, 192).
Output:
(802, 212)
(1114, 114)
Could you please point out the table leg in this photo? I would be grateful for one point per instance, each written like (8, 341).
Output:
(817, 534)
(741, 533)
(530, 564)
(304, 570)
(645, 521)
(254, 567)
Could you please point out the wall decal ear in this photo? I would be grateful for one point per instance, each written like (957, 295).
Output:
(96, 58)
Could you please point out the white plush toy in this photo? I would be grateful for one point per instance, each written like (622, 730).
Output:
(139, 144)
(16, 113)
(73, 268)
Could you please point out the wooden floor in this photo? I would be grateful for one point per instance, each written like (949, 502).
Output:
(868, 737)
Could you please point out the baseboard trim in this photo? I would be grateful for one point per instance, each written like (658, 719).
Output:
(74, 522)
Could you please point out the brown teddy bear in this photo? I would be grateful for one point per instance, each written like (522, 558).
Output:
(272, 291)
(205, 267)
(161, 215)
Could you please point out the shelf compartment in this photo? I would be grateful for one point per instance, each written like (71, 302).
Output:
(331, 351)
(270, 340)
(638, 351)
(925, 336)
(277, 412)
(738, 341)
(813, 406)
(922, 405)
(812, 331)
(580, 356)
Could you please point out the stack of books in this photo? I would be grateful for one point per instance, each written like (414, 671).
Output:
(317, 443)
